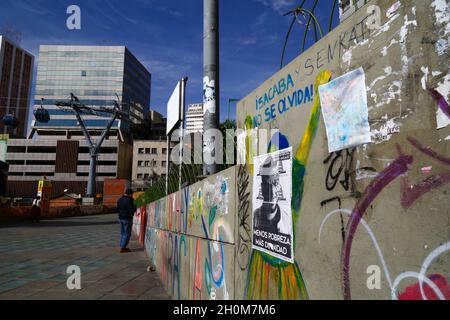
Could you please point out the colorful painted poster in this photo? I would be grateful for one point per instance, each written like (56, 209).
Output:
(272, 215)
(344, 109)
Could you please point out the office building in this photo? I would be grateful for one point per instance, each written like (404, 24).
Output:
(149, 162)
(57, 149)
(16, 73)
(97, 75)
(194, 118)
(65, 163)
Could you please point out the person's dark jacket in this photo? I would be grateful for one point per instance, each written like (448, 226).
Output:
(126, 208)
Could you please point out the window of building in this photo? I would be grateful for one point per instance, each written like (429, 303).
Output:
(40, 162)
(140, 163)
(16, 162)
(164, 151)
(139, 176)
(163, 164)
(147, 163)
(39, 174)
(141, 151)
(12, 149)
(154, 151)
(82, 174)
(146, 176)
(15, 174)
(147, 151)
(109, 150)
(107, 174)
(107, 163)
(83, 73)
(41, 149)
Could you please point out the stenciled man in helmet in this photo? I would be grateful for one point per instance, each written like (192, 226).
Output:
(268, 216)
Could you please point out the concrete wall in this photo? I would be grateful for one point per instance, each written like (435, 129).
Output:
(404, 204)
(190, 239)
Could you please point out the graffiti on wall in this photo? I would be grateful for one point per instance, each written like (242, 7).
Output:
(266, 272)
(195, 208)
(340, 169)
(215, 198)
(184, 210)
(216, 228)
(429, 287)
(244, 229)
(192, 222)
(409, 194)
(169, 253)
(202, 211)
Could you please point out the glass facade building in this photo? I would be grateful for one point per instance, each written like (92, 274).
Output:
(97, 75)
(16, 73)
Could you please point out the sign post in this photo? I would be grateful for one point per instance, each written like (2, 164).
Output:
(175, 117)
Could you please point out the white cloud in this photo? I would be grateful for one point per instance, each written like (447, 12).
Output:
(262, 18)
(280, 6)
(246, 41)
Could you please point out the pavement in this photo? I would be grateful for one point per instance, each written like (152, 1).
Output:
(34, 261)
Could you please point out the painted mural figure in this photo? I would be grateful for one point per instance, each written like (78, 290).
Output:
(270, 277)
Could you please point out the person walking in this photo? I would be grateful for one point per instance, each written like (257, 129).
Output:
(126, 209)
(36, 210)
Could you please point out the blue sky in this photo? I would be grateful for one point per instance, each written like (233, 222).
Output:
(167, 37)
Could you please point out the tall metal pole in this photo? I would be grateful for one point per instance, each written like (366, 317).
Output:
(211, 88)
(91, 185)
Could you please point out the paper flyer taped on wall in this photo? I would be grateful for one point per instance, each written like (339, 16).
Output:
(345, 112)
(272, 194)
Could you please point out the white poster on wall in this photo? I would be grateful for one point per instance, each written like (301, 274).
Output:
(345, 112)
(272, 215)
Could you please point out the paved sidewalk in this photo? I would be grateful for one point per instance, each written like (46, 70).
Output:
(34, 260)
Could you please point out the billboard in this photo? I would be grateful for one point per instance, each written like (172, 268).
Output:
(174, 108)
